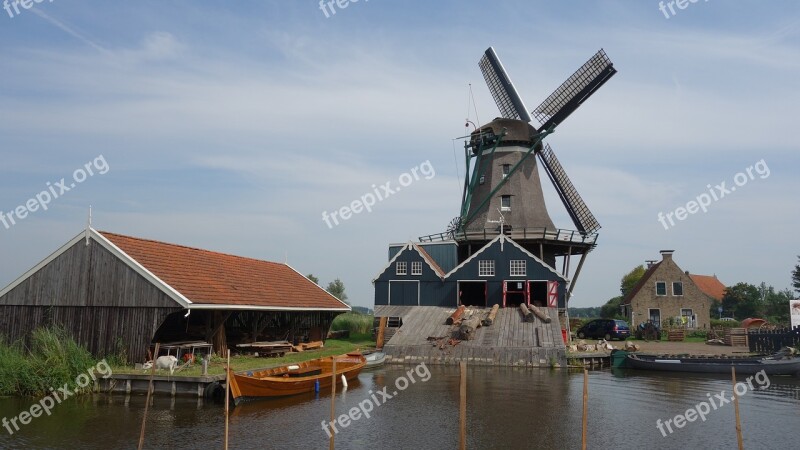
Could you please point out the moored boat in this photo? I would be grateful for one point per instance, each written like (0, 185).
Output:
(293, 379)
(375, 359)
(770, 365)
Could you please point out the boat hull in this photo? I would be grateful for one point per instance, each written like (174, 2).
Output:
(283, 381)
(745, 366)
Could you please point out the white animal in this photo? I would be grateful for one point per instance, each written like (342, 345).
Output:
(167, 362)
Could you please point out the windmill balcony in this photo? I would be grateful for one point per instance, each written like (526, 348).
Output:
(518, 234)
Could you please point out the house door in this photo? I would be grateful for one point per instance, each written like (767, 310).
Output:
(472, 293)
(537, 293)
(655, 317)
(514, 293)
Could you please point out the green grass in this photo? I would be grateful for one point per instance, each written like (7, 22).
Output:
(360, 341)
(355, 322)
(53, 359)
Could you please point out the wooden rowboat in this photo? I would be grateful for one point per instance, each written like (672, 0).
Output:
(770, 366)
(293, 379)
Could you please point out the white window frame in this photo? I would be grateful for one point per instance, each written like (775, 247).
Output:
(502, 207)
(503, 170)
(486, 268)
(401, 268)
(518, 268)
(416, 267)
(680, 283)
(665, 288)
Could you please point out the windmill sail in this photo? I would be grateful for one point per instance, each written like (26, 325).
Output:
(583, 218)
(579, 87)
(505, 95)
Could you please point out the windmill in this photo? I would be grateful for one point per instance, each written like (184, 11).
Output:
(501, 174)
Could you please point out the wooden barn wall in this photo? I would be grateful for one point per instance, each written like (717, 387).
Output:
(87, 276)
(100, 329)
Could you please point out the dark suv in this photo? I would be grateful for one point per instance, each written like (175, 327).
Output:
(606, 329)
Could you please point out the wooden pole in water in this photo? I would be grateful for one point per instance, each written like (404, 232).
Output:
(227, 396)
(462, 410)
(736, 407)
(333, 399)
(585, 406)
(149, 390)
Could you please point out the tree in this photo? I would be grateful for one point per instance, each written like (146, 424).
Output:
(313, 278)
(629, 281)
(336, 288)
(611, 309)
(796, 277)
(744, 300)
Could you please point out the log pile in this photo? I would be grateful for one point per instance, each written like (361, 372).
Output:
(490, 317)
(456, 316)
(541, 314)
(466, 331)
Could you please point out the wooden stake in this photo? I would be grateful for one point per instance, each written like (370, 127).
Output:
(149, 391)
(736, 406)
(333, 399)
(462, 410)
(228, 376)
(585, 406)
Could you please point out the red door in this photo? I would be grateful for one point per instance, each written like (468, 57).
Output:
(552, 294)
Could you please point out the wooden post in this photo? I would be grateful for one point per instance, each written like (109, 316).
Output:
(736, 407)
(228, 375)
(462, 411)
(381, 331)
(333, 399)
(149, 391)
(585, 406)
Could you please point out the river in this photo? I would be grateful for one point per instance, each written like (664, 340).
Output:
(507, 408)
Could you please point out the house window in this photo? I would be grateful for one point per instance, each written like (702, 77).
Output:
(505, 203)
(482, 179)
(416, 268)
(506, 170)
(518, 267)
(401, 268)
(486, 268)
(661, 288)
(677, 288)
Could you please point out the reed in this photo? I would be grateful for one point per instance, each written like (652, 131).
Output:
(52, 360)
(355, 322)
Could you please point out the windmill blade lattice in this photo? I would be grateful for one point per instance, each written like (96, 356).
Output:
(575, 90)
(583, 218)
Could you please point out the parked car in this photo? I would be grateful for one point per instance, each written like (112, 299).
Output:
(607, 329)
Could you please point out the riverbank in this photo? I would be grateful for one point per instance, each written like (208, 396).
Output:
(356, 342)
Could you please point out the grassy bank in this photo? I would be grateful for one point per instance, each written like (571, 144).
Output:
(355, 322)
(52, 360)
(332, 347)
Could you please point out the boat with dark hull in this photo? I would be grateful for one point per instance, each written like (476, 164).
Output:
(772, 365)
(295, 378)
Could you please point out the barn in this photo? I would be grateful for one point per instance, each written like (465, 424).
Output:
(116, 293)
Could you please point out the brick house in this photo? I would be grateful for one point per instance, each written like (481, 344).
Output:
(665, 292)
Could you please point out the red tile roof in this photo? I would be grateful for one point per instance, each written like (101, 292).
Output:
(212, 278)
(710, 285)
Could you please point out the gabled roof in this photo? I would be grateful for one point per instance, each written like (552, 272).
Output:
(422, 253)
(202, 279)
(642, 281)
(710, 285)
(503, 238)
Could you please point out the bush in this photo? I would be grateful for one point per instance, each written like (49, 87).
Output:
(355, 322)
(53, 359)
(716, 323)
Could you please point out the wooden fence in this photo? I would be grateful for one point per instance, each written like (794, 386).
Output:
(770, 341)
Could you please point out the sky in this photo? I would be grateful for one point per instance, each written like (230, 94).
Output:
(232, 126)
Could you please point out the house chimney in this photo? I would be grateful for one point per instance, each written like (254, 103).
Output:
(650, 263)
(666, 254)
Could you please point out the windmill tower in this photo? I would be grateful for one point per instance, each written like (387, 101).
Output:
(503, 174)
